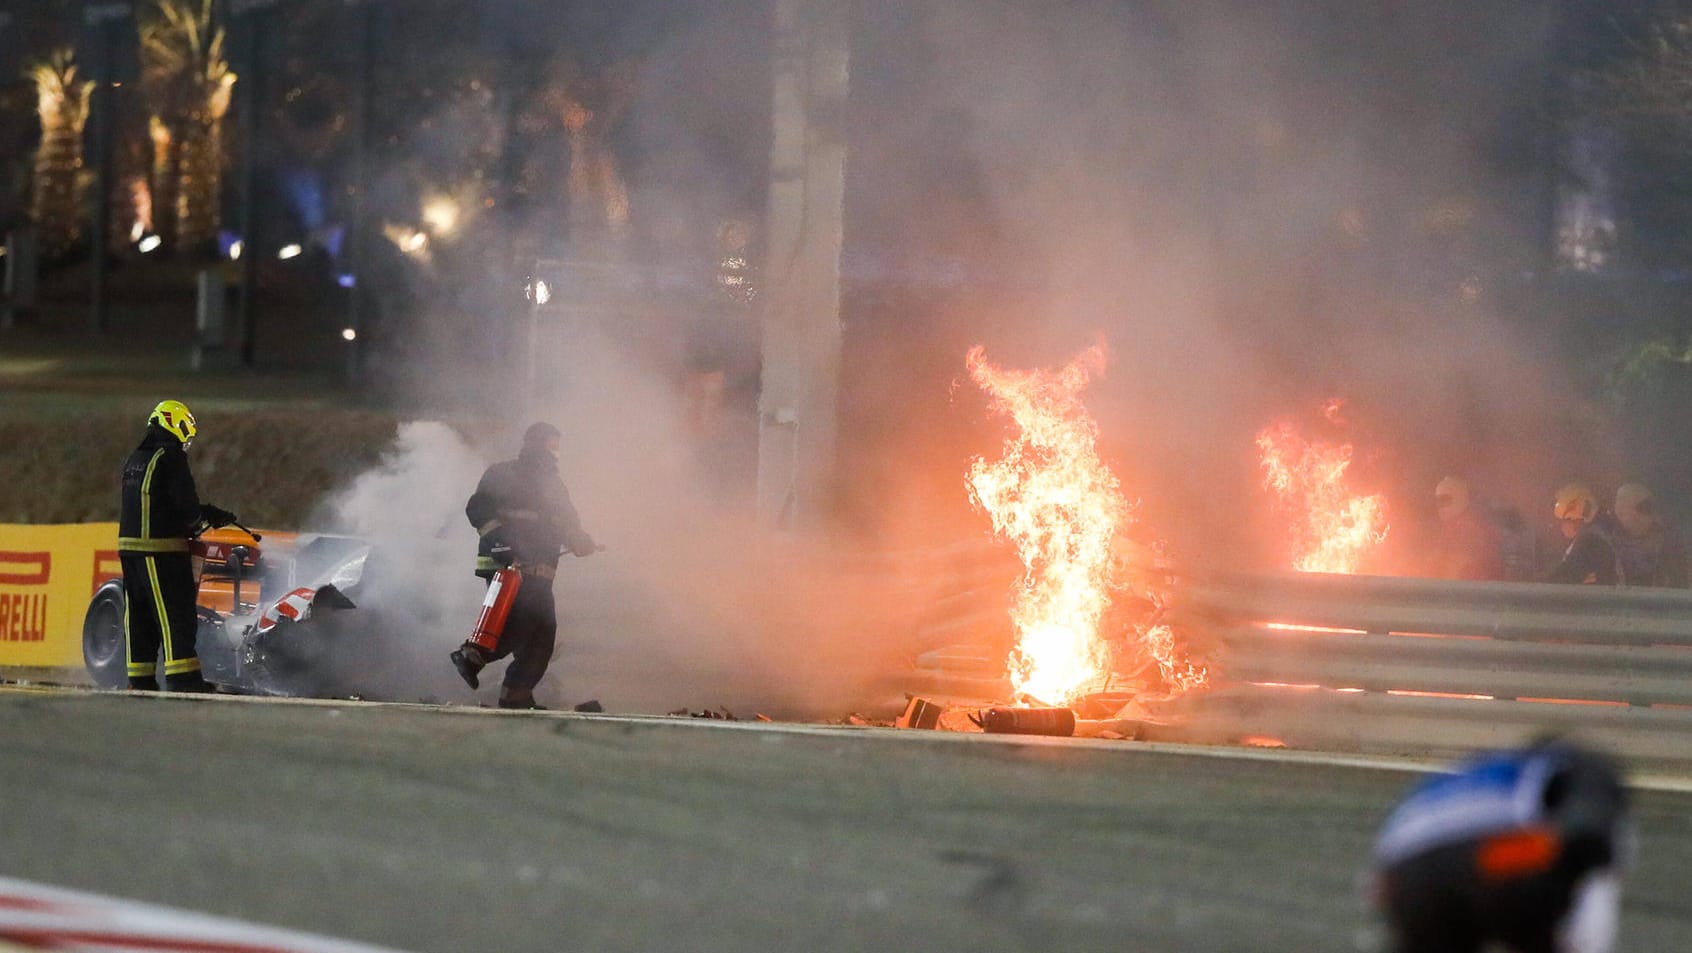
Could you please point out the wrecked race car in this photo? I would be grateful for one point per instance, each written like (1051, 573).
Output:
(268, 617)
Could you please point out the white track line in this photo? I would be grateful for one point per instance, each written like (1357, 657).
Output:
(41, 917)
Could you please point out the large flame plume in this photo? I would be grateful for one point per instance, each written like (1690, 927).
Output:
(1056, 500)
(1332, 527)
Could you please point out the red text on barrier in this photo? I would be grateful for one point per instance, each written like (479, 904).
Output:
(106, 568)
(23, 618)
(25, 569)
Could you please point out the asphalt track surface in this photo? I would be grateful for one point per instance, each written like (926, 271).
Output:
(452, 830)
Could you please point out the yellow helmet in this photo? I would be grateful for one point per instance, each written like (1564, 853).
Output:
(1575, 502)
(174, 417)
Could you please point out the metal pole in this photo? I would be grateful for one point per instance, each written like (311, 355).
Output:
(104, 18)
(531, 364)
(8, 314)
(251, 85)
(802, 334)
(357, 252)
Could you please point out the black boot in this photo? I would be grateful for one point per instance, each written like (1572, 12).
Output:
(188, 682)
(519, 701)
(143, 683)
(469, 660)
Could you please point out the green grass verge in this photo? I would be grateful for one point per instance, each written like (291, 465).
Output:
(73, 404)
(272, 465)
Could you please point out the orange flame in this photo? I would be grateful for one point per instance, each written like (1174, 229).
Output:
(1053, 496)
(1332, 527)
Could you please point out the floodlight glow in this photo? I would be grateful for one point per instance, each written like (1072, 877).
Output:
(290, 251)
(441, 214)
(149, 244)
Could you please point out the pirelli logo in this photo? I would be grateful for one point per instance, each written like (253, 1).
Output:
(25, 569)
(47, 573)
(23, 616)
(107, 567)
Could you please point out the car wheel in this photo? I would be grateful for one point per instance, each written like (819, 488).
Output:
(103, 651)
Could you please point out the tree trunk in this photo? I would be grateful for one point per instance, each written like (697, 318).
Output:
(165, 160)
(200, 185)
(56, 199)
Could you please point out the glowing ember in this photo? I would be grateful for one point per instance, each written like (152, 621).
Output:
(1332, 527)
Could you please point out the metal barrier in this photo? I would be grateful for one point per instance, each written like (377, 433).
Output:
(1382, 665)
(1433, 667)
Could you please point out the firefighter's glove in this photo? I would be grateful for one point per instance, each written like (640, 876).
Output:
(216, 516)
(502, 552)
(581, 544)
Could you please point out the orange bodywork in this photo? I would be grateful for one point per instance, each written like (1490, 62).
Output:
(217, 584)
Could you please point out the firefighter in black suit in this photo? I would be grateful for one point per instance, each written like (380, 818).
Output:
(160, 512)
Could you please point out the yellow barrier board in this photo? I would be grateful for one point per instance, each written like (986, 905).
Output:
(47, 575)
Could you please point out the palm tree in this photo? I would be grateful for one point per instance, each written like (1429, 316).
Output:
(62, 101)
(189, 79)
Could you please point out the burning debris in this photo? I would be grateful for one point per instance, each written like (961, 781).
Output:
(920, 713)
(1055, 499)
(1333, 528)
(1000, 720)
(1052, 495)
(1107, 715)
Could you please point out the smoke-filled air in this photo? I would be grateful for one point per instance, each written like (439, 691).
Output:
(1251, 225)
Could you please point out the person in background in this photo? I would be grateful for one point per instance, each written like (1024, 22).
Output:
(1590, 557)
(1521, 850)
(1469, 545)
(1518, 544)
(526, 522)
(160, 510)
(1647, 547)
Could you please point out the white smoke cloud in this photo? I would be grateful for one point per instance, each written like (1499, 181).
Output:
(419, 597)
(689, 606)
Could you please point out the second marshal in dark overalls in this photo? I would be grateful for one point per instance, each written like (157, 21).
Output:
(525, 519)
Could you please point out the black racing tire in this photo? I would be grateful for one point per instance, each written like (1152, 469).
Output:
(103, 650)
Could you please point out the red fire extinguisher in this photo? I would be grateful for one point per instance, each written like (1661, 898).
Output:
(496, 608)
